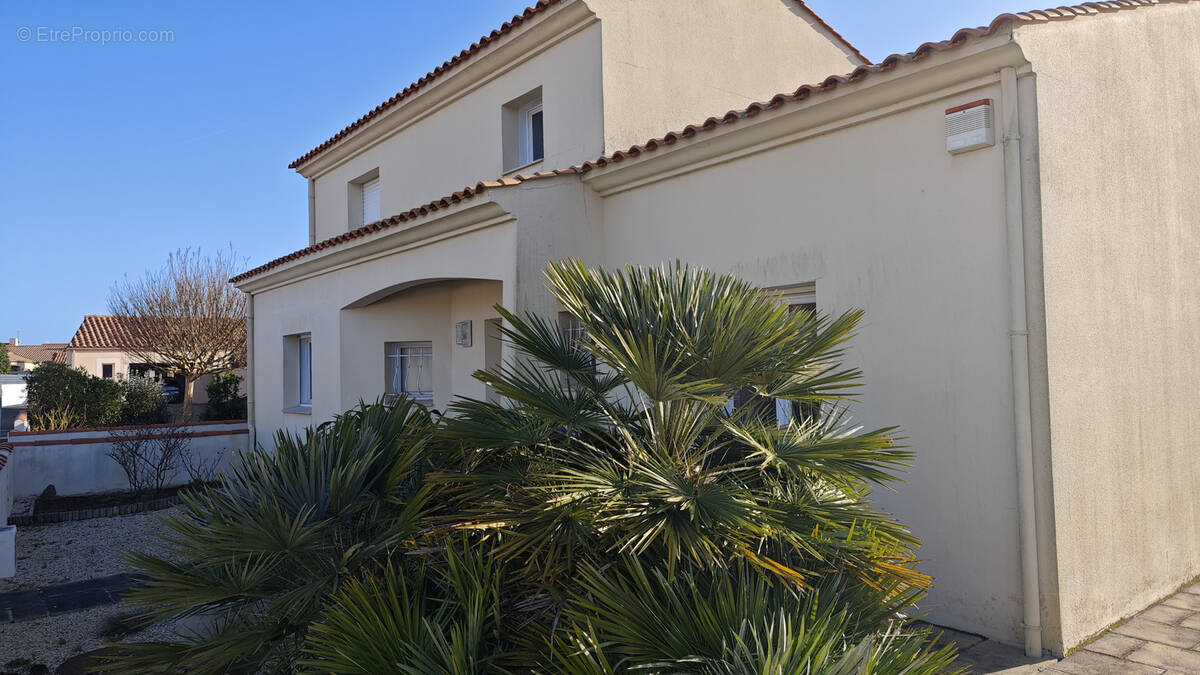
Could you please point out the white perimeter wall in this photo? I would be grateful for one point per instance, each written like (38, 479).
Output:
(76, 462)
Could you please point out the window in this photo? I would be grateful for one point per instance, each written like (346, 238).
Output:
(304, 369)
(370, 201)
(798, 299)
(409, 370)
(522, 127)
(297, 374)
(571, 328)
(531, 138)
(106, 371)
(363, 199)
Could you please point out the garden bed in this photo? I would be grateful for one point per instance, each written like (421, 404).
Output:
(56, 509)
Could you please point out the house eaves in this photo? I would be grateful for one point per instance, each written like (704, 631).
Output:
(932, 62)
(518, 39)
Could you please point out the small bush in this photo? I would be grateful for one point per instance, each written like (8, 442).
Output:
(144, 402)
(148, 461)
(224, 402)
(61, 397)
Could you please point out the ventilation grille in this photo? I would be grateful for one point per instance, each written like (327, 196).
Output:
(970, 127)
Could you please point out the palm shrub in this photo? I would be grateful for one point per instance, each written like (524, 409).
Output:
(256, 556)
(641, 521)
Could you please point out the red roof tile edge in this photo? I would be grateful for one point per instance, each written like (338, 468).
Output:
(476, 47)
(828, 84)
(400, 218)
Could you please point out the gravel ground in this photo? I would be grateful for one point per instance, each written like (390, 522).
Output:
(78, 550)
(51, 641)
(63, 552)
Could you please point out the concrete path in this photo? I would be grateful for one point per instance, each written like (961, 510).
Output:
(1162, 640)
(63, 598)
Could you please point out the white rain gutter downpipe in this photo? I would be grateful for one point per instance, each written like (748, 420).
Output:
(1031, 601)
(253, 438)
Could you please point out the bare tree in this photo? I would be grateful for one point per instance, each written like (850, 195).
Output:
(185, 317)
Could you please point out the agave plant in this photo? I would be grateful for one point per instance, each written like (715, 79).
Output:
(255, 557)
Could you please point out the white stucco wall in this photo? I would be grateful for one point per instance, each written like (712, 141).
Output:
(670, 63)
(1117, 98)
(882, 218)
(422, 314)
(462, 143)
(346, 302)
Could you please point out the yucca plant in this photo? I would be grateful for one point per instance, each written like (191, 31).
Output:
(255, 557)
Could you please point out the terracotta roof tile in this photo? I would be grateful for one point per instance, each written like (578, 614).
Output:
(805, 92)
(400, 218)
(465, 55)
(42, 353)
(100, 331)
(862, 72)
(478, 46)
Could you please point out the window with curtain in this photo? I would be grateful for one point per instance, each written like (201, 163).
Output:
(409, 369)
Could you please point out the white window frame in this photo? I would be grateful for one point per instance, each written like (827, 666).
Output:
(304, 370)
(525, 132)
(370, 198)
(795, 298)
(398, 350)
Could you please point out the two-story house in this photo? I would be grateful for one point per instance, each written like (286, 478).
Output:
(1014, 208)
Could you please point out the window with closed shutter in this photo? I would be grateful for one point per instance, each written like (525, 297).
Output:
(370, 201)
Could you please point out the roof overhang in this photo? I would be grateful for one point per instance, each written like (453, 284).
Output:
(541, 32)
(829, 107)
(452, 221)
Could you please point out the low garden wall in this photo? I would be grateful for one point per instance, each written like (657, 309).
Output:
(76, 461)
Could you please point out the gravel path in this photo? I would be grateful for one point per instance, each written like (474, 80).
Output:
(81, 549)
(64, 552)
(51, 641)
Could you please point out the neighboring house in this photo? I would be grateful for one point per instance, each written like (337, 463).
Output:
(27, 357)
(101, 346)
(12, 399)
(1014, 208)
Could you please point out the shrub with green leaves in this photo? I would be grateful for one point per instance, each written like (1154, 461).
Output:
(262, 550)
(62, 397)
(143, 402)
(631, 505)
(224, 401)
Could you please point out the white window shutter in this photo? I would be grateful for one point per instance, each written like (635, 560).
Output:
(370, 201)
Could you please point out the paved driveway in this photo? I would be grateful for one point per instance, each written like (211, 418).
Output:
(1164, 639)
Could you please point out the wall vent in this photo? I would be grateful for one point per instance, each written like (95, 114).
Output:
(969, 126)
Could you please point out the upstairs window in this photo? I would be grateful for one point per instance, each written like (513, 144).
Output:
(363, 198)
(533, 146)
(523, 126)
(409, 370)
(370, 201)
(106, 371)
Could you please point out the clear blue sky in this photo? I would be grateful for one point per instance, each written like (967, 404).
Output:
(113, 155)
